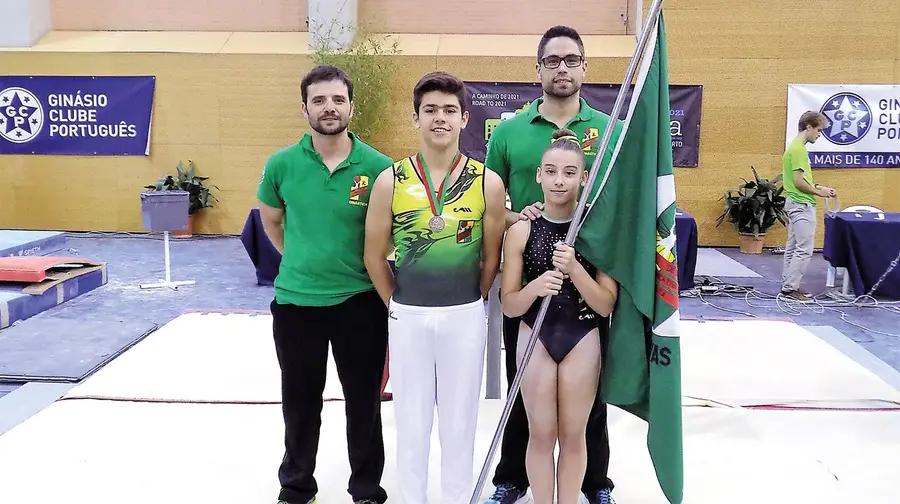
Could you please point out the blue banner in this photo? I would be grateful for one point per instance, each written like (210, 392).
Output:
(84, 116)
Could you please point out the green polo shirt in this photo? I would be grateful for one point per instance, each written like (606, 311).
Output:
(796, 158)
(518, 143)
(324, 222)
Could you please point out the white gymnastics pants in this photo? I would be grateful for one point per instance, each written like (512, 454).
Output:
(436, 358)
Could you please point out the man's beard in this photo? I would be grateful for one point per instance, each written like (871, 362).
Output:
(551, 90)
(333, 130)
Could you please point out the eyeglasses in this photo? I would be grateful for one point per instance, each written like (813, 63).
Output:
(572, 61)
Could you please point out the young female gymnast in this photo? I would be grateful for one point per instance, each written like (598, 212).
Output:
(559, 384)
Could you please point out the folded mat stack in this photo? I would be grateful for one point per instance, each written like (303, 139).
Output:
(32, 284)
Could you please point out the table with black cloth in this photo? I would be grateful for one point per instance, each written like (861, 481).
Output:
(266, 259)
(264, 256)
(685, 248)
(864, 244)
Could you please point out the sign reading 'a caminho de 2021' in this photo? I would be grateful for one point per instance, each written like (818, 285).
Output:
(491, 102)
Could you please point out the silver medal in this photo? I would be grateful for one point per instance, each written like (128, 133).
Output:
(436, 223)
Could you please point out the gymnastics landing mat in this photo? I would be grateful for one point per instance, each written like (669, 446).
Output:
(711, 262)
(31, 285)
(230, 360)
(15, 242)
(181, 452)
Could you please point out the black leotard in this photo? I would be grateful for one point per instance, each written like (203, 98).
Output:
(568, 317)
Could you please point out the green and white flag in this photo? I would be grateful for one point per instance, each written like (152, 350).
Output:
(629, 233)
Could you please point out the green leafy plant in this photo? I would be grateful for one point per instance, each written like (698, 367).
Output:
(200, 196)
(368, 61)
(754, 206)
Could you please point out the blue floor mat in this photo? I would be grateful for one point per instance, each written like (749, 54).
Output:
(6, 388)
(31, 243)
(63, 349)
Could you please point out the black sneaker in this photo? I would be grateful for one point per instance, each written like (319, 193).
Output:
(601, 497)
(506, 494)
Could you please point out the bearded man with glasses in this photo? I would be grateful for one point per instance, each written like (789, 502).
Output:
(514, 152)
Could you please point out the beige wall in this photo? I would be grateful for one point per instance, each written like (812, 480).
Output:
(503, 17)
(180, 15)
(590, 17)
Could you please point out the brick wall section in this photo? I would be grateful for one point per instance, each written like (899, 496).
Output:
(180, 15)
(501, 17)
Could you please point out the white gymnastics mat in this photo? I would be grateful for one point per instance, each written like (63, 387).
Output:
(103, 452)
(711, 262)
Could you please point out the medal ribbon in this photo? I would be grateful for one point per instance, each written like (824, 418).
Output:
(437, 207)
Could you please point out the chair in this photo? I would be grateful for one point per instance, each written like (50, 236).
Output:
(834, 272)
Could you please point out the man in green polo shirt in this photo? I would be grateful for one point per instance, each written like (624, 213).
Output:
(800, 206)
(514, 152)
(313, 200)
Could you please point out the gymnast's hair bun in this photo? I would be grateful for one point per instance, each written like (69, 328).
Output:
(561, 133)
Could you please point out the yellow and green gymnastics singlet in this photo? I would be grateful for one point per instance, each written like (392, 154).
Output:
(438, 261)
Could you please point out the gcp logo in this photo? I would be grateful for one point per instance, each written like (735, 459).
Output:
(21, 115)
(849, 118)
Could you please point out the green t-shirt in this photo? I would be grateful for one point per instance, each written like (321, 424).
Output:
(517, 144)
(796, 158)
(324, 222)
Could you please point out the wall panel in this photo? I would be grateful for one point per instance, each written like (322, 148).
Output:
(604, 17)
(180, 15)
(598, 17)
(721, 33)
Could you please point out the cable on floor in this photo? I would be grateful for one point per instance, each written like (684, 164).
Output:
(708, 287)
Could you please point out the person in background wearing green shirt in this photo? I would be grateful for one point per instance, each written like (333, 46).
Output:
(514, 151)
(801, 204)
(313, 201)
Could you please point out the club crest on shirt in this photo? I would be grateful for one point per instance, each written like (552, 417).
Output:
(358, 189)
(591, 139)
(464, 231)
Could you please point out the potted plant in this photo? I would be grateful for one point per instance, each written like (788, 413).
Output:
(753, 208)
(189, 187)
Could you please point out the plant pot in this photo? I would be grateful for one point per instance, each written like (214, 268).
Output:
(751, 244)
(165, 210)
(186, 232)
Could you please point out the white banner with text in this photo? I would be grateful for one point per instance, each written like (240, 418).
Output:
(863, 129)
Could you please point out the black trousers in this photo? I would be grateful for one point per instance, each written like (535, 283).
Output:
(357, 331)
(511, 467)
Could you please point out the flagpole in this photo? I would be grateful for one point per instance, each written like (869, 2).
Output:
(652, 18)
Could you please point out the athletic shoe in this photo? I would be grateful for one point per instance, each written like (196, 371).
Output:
(311, 501)
(601, 497)
(507, 494)
(796, 295)
(366, 501)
